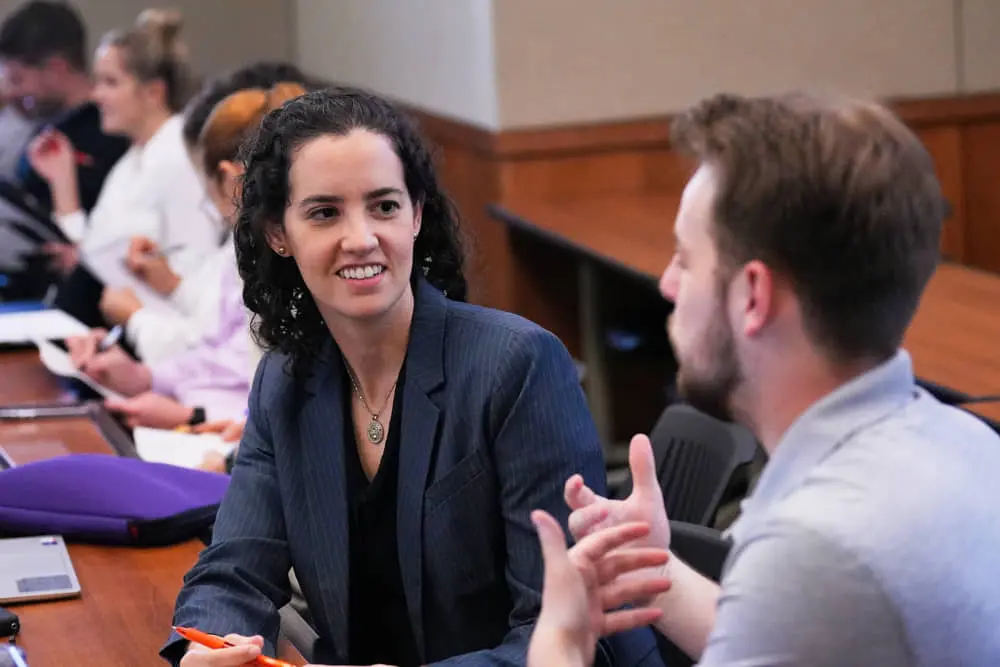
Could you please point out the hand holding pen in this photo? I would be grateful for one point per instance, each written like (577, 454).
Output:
(53, 156)
(83, 349)
(149, 263)
(228, 651)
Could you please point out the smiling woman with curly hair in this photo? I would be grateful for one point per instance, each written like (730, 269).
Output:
(289, 318)
(397, 438)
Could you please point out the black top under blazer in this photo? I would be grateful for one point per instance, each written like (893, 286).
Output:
(493, 423)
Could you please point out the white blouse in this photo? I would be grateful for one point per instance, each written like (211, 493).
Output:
(152, 191)
(156, 336)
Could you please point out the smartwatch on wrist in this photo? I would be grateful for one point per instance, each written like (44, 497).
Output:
(197, 417)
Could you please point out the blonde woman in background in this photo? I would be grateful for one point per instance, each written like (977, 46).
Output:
(156, 335)
(210, 381)
(142, 80)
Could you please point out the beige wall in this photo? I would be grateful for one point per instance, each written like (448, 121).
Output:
(581, 60)
(222, 34)
(435, 54)
(980, 41)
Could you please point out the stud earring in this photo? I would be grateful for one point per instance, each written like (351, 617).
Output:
(281, 250)
(415, 234)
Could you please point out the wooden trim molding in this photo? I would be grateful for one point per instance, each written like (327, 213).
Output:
(654, 132)
(597, 137)
(949, 110)
(450, 132)
(515, 167)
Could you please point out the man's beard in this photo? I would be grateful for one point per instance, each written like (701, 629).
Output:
(712, 392)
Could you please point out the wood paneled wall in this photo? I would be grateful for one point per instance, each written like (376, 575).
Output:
(479, 167)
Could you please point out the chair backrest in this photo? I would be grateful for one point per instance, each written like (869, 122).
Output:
(703, 548)
(696, 457)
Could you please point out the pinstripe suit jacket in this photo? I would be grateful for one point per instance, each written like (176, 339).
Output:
(493, 423)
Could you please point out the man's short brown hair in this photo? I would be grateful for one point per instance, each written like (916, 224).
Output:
(837, 196)
(41, 29)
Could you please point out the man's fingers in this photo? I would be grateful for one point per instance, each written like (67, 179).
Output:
(585, 521)
(627, 560)
(642, 464)
(577, 494)
(632, 591)
(629, 619)
(594, 544)
(551, 537)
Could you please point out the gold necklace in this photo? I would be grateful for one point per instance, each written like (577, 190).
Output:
(375, 430)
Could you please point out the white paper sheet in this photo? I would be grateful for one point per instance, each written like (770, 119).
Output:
(28, 326)
(59, 363)
(107, 263)
(186, 450)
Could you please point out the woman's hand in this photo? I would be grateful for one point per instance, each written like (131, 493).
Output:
(52, 155)
(151, 410)
(119, 304)
(113, 368)
(213, 462)
(63, 257)
(227, 429)
(150, 266)
(584, 589)
(244, 652)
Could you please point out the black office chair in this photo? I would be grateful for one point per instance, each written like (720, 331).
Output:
(705, 549)
(697, 457)
(960, 399)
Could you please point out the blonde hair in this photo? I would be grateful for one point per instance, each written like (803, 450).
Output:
(235, 117)
(152, 50)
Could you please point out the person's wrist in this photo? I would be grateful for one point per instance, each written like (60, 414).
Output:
(673, 570)
(561, 647)
(145, 378)
(65, 197)
(195, 416)
(170, 284)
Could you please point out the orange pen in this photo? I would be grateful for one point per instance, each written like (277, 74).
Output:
(214, 642)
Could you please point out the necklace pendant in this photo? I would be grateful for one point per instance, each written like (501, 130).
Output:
(376, 432)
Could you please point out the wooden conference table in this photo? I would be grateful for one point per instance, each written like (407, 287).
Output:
(954, 339)
(123, 615)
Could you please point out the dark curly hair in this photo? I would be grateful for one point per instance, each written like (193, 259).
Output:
(287, 319)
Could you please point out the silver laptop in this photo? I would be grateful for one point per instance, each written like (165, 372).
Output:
(36, 568)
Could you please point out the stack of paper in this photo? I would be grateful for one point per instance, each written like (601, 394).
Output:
(20, 328)
(186, 450)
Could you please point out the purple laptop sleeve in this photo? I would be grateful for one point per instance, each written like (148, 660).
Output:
(109, 500)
